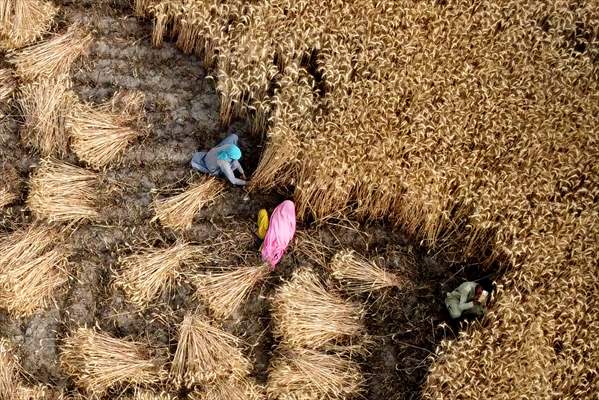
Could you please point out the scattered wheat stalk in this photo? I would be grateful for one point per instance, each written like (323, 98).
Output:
(62, 192)
(24, 21)
(206, 353)
(225, 291)
(177, 212)
(97, 361)
(308, 374)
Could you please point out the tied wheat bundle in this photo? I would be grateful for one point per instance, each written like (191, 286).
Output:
(97, 361)
(7, 85)
(206, 353)
(307, 315)
(225, 291)
(62, 192)
(149, 274)
(231, 389)
(177, 212)
(24, 21)
(9, 371)
(53, 57)
(359, 275)
(45, 103)
(99, 136)
(307, 374)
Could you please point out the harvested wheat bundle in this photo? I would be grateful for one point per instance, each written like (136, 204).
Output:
(150, 273)
(142, 394)
(307, 374)
(9, 371)
(62, 192)
(24, 21)
(26, 244)
(231, 389)
(177, 212)
(206, 353)
(53, 57)
(307, 315)
(45, 103)
(98, 136)
(359, 275)
(225, 291)
(7, 84)
(39, 392)
(97, 361)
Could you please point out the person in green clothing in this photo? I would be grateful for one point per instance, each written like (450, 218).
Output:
(467, 299)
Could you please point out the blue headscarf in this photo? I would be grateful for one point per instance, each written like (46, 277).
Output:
(229, 152)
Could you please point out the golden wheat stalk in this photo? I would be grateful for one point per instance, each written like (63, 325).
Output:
(359, 275)
(53, 57)
(44, 104)
(230, 389)
(206, 353)
(24, 21)
(97, 361)
(99, 137)
(224, 292)
(148, 275)
(62, 192)
(307, 315)
(9, 371)
(307, 374)
(129, 104)
(177, 212)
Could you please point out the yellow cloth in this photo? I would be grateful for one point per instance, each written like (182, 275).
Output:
(262, 223)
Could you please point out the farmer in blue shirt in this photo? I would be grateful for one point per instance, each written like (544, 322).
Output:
(222, 160)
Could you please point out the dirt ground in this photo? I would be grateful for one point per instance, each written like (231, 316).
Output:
(182, 110)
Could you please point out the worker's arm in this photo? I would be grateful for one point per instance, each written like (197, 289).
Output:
(237, 167)
(464, 305)
(228, 172)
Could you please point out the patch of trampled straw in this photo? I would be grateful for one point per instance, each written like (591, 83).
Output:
(177, 212)
(206, 353)
(24, 21)
(44, 104)
(225, 291)
(63, 192)
(99, 136)
(230, 389)
(146, 276)
(308, 374)
(9, 371)
(359, 275)
(307, 315)
(97, 361)
(32, 268)
(52, 57)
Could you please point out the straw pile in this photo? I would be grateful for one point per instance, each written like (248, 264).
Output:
(97, 361)
(206, 354)
(52, 57)
(307, 315)
(62, 192)
(474, 126)
(45, 103)
(151, 273)
(177, 212)
(9, 371)
(225, 291)
(32, 268)
(308, 374)
(359, 275)
(24, 21)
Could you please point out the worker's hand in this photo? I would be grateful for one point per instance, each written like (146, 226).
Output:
(243, 176)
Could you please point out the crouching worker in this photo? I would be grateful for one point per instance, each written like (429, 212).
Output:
(222, 160)
(467, 299)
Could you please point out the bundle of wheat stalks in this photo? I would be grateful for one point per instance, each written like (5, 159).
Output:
(177, 212)
(62, 192)
(24, 21)
(307, 315)
(230, 389)
(308, 374)
(52, 57)
(359, 275)
(97, 361)
(32, 268)
(225, 291)
(206, 354)
(150, 273)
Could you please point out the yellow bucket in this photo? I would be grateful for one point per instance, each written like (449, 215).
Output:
(262, 223)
